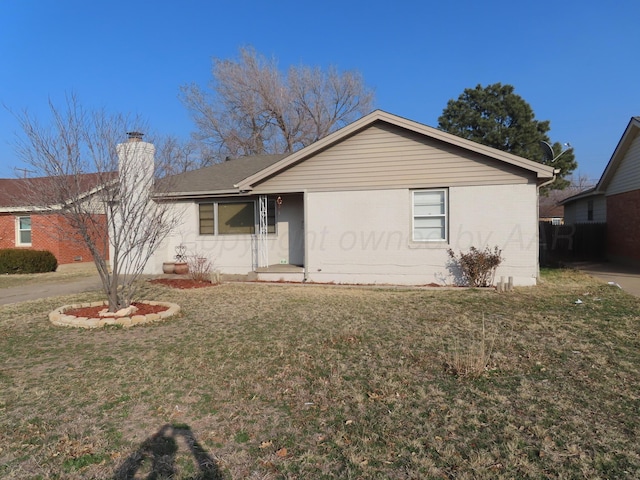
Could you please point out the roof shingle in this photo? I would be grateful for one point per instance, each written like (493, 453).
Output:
(21, 192)
(221, 177)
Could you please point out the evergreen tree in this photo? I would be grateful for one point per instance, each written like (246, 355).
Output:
(497, 117)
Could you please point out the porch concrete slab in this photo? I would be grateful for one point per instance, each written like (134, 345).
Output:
(625, 275)
(281, 268)
(280, 272)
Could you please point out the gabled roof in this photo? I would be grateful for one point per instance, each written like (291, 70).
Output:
(218, 179)
(18, 194)
(630, 133)
(543, 172)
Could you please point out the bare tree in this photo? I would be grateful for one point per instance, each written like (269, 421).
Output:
(252, 108)
(179, 156)
(578, 183)
(101, 187)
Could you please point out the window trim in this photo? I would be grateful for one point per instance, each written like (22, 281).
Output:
(444, 215)
(256, 219)
(19, 230)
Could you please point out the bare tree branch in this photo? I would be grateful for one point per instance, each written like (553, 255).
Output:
(253, 109)
(101, 188)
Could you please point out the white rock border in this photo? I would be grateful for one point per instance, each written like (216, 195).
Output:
(59, 318)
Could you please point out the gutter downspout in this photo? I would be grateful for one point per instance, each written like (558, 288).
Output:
(305, 225)
(544, 184)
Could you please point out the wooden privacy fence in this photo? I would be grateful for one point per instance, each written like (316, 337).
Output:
(579, 241)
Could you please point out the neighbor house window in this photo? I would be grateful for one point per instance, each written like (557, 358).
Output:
(233, 218)
(429, 215)
(590, 210)
(24, 230)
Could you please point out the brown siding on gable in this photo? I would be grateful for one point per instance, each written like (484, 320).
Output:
(385, 156)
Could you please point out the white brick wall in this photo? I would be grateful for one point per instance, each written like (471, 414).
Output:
(365, 237)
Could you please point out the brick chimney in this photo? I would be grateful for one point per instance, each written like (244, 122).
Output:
(136, 163)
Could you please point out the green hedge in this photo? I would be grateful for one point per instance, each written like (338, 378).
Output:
(17, 260)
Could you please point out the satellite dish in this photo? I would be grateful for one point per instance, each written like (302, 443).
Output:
(547, 152)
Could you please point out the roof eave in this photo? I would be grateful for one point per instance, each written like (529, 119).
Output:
(592, 192)
(618, 153)
(30, 209)
(191, 195)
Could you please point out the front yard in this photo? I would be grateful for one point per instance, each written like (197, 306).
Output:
(283, 381)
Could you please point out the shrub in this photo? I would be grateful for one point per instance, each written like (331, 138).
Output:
(478, 267)
(199, 267)
(17, 260)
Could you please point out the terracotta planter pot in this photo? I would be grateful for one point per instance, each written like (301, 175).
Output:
(168, 267)
(181, 268)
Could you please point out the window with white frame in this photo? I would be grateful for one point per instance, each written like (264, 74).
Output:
(430, 215)
(23, 227)
(233, 218)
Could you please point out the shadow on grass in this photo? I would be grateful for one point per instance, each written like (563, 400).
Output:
(156, 456)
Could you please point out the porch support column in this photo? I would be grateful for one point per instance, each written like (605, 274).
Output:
(263, 250)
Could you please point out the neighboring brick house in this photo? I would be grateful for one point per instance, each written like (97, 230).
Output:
(24, 225)
(616, 198)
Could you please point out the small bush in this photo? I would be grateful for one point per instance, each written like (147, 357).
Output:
(199, 267)
(17, 260)
(478, 267)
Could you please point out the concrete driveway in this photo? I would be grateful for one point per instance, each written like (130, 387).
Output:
(86, 280)
(25, 293)
(627, 276)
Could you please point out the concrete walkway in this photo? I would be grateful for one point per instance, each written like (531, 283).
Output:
(627, 276)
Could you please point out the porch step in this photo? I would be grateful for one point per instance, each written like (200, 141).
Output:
(280, 273)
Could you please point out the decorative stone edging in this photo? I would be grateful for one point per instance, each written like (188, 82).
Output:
(59, 318)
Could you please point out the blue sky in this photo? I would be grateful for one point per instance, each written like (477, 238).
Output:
(575, 62)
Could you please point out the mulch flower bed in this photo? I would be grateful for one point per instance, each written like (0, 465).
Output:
(143, 308)
(94, 312)
(182, 283)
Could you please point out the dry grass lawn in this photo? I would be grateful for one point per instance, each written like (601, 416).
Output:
(282, 381)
